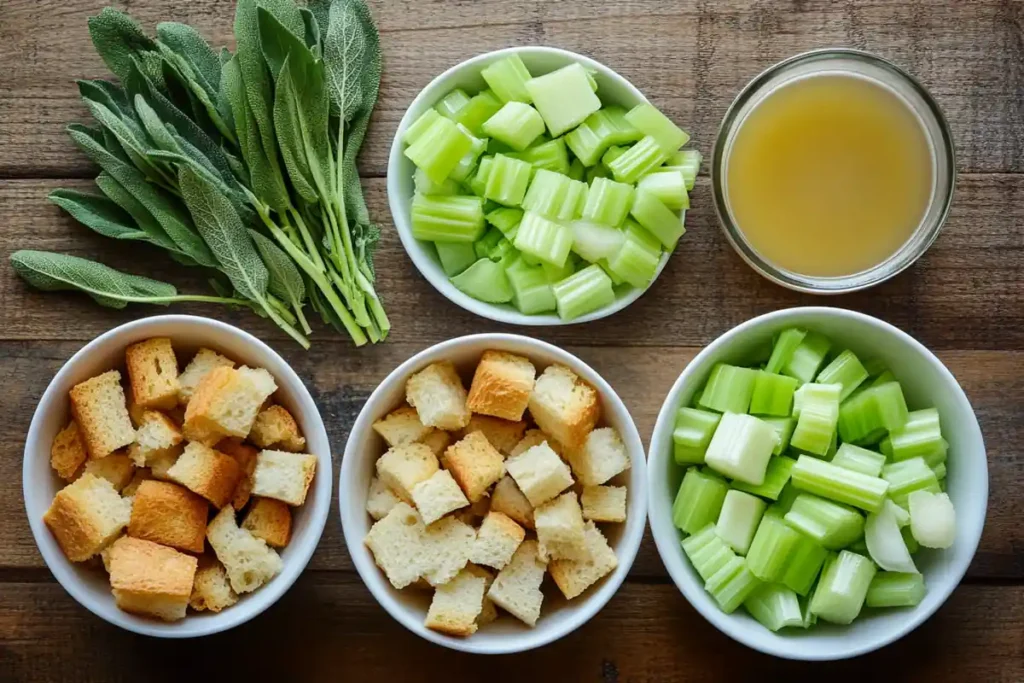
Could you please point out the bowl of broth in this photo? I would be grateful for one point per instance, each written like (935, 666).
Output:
(833, 171)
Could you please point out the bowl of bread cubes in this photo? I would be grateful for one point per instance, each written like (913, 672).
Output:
(492, 493)
(177, 476)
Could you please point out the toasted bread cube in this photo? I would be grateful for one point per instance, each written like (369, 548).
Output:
(116, 468)
(539, 473)
(86, 515)
(475, 464)
(445, 547)
(456, 605)
(211, 474)
(380, 499)
(169, 514)
(395, 543)
(535, 437)
(68, 452)
(501, 385)
(496, 540)
(437, 440)
(153, 373)
(141, 474)
(401, 426)
(275, 426)
(488, 611)
(270, 520)
(564, 406)
(575, 576)
(503, 434)
(601, 457)
(211, 590)
(156, 437)
(509, 500)
(135, 411)
(516, 589)
(604, 503)
(98, 406)
(106, 552)
(161, 465)
(248, 560)
(437, 496)
(202, 363)
(402, 467)
(283, 476)
(245, 456)
(560, 529)
(437, 394)
(226, 403)
(150, 579)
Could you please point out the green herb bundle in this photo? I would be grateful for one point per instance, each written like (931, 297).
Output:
(244, 164)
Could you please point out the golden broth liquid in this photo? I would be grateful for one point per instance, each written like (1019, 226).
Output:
(829, 175)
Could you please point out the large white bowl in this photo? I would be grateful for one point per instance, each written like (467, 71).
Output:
(409, 606)
(612, 88)
(926, 382)
(89, 585)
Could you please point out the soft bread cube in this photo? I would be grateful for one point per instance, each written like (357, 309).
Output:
(270, 520)
(488, 611)
(401, 426)
(437, 440)
(151, 579)
(161, 465)
(501, 385)
(437, 394)
(457, 604)
(86, 515)
(248, 560)
(445, 547)
(226, 403)
(496, 540)
(169, 514)
(153, 373)
(516, 589)
(509, 500)
(535, 437)
(135, 411)
(210, 473)
(283, 476)
(395, 542)
(141, 474)
(156, 437)
(601, 457)
(560, 529)
(503, 434)
(68, 452)
(211, 590)
(201, 364)
(575, 576)
(402, 467)
(437, 496)
(539, 473)
(475, 464)
(245, 456)
(380, 499)
(604, 503)
(116, 468)
(564, 406)
(98, 406)
(275, 426)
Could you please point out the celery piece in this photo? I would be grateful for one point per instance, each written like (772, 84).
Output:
(576, 199)
(774, 606)
(783, 349)
(885, 377)
(874, 366)
(637, 261)
(940, 473)
(873, 409)
(559, 273)
(932, 519)
(895, 589)
(845, 369)
(451, 103)
(486, 244)
(507, 180)
(832, 525)
(773, 394)
(701, 539)
(637, 161)
(740, 516)
(547, 194)
(841, 485)
(884, 540)
(776, 476)
(531, 291)
(474, 113)
(550, 155)
(804, 565)
(728, 389)
(478, 183)
(612, 153)
(599, 171)
(469, 160)
(619, 130)
(907, 476)
(920, 436)
(668, 186)
(687, 162)
(594, 242)
(425, 185)
(455, 257)
(616, 279)
(706, 552)
(809, 619)
(843, 588)
(816, 407)
(439, 148)
(420, 126)
(583, 292)
(447, 219)
(699, 500)
(732, 584)
(807, 357)
(577, 171)
(908, 538)
(784, 427)
(859, 459)
(586, 143)
(548, 241)
(516, 124)
(741, 447)
(692, 434)
(601, 130)
(507, 79)
(769, 552)
(785, 497)
(505, 219)
(648, 120)
(608, 202)
(484, 280)
(564, 98)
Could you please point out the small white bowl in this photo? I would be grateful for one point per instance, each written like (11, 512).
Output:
(612, 88)
(89, 585)
(926, 382)
(409, 606)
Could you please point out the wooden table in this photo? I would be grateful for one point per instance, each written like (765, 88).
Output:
(964, 300)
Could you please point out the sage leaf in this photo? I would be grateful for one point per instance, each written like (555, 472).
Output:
(190, 46)
(106, 93)
(143, 219)
(312, 34)
(132, 138)
(117, 39)
(355, 204)
(97, 213)
(345, 54)
(289, 124)
(285, 281)
(155, 127)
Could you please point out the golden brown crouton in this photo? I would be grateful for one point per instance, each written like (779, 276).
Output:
(275, 426)
(270, 520)
(226, 403)
(157, 437)
(437, 440)
(456, 605)
(98, 406)
(169, 514)
(86, 515)
(211, 474)
(211, 589)
(141, 474)
(501, 385)
(246, 457)
(604, 503)
(402, 467)
(540, 474)
(503, 434)
(437, 394)
(201, 364)
(151, 579)
(475, 464)
(496, 540)
(564, 406)
(68, 452)
(117, 468)
(601, 457)
(560, 530)
(153, 373)
(516, 589)
(437, 496)
(535, 437)
(248, 560)
(401, 426)
(574, 576)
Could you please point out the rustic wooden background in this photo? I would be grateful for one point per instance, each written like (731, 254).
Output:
(965, 300)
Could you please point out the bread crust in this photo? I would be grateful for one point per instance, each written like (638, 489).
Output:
(153, 373)
(501, 385)
(170, 515)
(270, 520)
(208, 472)
(101, 411)
(151, 579)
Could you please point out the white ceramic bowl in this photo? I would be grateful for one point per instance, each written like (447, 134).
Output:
(89, 585)
(409, 606)
(612, 88)
(926, 382)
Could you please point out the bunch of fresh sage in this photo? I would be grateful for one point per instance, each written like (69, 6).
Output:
(243, 163)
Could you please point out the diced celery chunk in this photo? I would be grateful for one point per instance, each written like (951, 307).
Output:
(773, 394)
(816, 407)
(469, 160)
(732, 584)
(474, 113)
(920, 436)
(741, 447)
(687, 162)
(451, 103)
(668, 186)
(692, 434)
(843, 588)
(553, 195)
(598, 132)
(425, 185)
(550, 155)
(648, 120)
(788, 494)
(771, 548)
(484, 280)
(807, 357)
(612, 153)
(707, 552)
(729, 389)
(846, 370)
(420, 126)
(783, 349)
(871, 410)
(637, 261)
(776, 476)
(884, 540)
(563, 97)
(907, 476)
(594, 242)
(455, 257)
(784, 427)
(831, 524)
(478, 182)
(699, 500)
(548, 241)
(895, 589)
(940, 473)
(774, 606)
(619, 130)
(839, 484)
(447, 219)
(885, 377)
(507, 79)
(531, 291)
(804, 564)
(599, 171)
(559, 273)
(577, 171)
(932, 519)
(859, 459)
(739, 519)
(505, 219)
(608, 202)
(657, 218)
(439, 148)
(637, 161)
(516, 124)
(584, 292)
(507, 180)
(486, 244)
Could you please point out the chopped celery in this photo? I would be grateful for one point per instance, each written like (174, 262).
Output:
(876, 408)
(875, 366)
(692, 434)
(478, 183)
(507, 180)
(608, 202)
(583, 292)
(548, 241)
(885, 541)
(687, 162)
(594, 242)
(773, 394)
(447, 219)
(804, 565)
(576, 170)
(832, 525)
(553, 195)
(648, 120)
(732, 584)
(455, 257)
(901, 515)
(845, 369)
(816, 407)
(807, 357)
(907, 476)
(620, 130)
(505, 219)
(841, 485)
(740, 516)
(843, 587)
(486, 244)
(425, 185)
(612, 153)
(616, 280)
(637, 261)
(741, 448)
(783, 349)
(774, 606)
(920, 436)
(451, 103)
(638, 160)
(784, 427)
(668, 186)
(707, 552)
(563, 97)
(599, 171)
(559, 273)
(550, 155)
(940, 473)
(895, 589)
(600, 130)
(908, 537)
(771, 548)
(474, 113)
(883, 378)
(468, 161)
(859, 459)
(439, 148)
(776, 477)
(728, 389)
(507, 79)
(531, 291)
(420, 126)
(699, 500)
(932, 519)
(516, 124)
(484, 280)
(788, 494)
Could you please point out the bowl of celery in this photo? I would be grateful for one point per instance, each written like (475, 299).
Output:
(818, 483)
(536, 186)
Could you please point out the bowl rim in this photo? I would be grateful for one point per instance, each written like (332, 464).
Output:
(666, 537)
(63, 570)
(626, 550)
(427, 266)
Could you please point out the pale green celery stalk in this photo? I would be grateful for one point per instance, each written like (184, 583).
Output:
(707, 552)
(729, 389)
(771, 548)
(774, 606)
(784, 426)
(894, 589)
(738, 521)
(832, 525)
(773, 395)
(693, 431)
(921, 436)
(907, 476)
(783, 349)
(803, 565)
(699, 500)
(776, 476)
(845, 369)
(843, 588)
(859, 460)
(839, 484)
(732, 584)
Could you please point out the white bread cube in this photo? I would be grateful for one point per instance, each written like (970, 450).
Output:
(211, 590)
(475, 464)
(202, 363)
(502, 434)
(275, 426)
(153, 373)
(270, 520)
(488, 611)
(560, 529)
(509, 500)
(604, 503)
(437, 394)
(248, 560)
(170, 515)
(539, 473)
(150, 579)
(283, 476)
(402, 467)
(564, 406)
(501, 385)
(437, 496)
(68, 452)
(457, 604)
(99, 407)
(496, 540)
(401, 426)
(601, 457)
(208, 472)
(437, 440)
(161, 465)
(86, 515)
(380, 499)
(445, 547)
(157, 436)
(516, 589)
(117, 468)
(226, 403)
(535, 437)
(574, 576)
(475, 512)
(395, 544)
